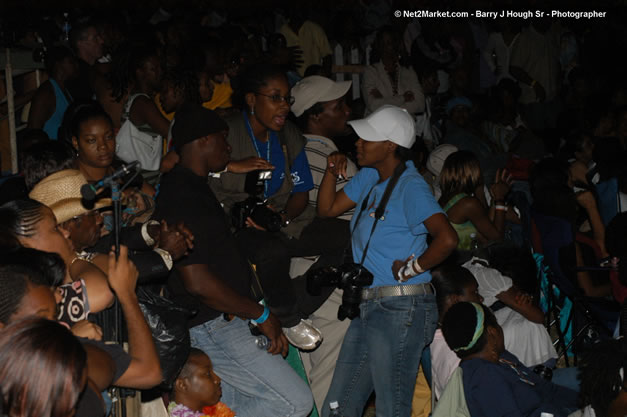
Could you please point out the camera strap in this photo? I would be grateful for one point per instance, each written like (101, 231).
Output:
(378, 213)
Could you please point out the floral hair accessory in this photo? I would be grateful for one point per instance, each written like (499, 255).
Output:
(218, 410)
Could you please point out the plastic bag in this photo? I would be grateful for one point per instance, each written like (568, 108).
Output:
(168, 325)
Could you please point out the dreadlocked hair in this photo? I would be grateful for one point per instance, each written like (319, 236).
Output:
(14, 281)
(186, 81)
(127, 60)
(600, 374)
(19, 217)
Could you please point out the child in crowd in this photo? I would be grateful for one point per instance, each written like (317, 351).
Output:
(197, 391)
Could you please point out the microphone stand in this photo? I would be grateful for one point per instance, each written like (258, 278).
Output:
(120, 394)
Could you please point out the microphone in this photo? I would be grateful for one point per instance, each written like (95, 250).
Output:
(88, 191)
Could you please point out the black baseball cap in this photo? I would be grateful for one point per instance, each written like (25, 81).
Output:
(192, 121)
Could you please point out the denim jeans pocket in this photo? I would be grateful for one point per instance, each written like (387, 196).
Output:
(396, 304)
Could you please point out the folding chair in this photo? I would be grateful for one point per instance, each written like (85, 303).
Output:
(587, 313)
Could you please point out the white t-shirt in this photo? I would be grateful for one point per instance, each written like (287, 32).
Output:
(443, 363)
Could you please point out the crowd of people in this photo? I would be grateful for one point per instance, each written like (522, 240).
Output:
(411, 232)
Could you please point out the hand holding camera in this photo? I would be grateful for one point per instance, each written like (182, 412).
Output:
(255, 211)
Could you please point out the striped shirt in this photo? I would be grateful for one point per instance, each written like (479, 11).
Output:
(317, 150)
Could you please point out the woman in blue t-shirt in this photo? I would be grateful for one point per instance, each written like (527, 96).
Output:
(398, 314)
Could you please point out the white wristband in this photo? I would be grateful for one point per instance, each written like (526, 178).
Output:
(411, 269)
(416, 267)
(500, 207)
(167, 258)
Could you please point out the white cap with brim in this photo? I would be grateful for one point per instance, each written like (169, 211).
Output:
(316, 89)
(387, 123)
(438, 156)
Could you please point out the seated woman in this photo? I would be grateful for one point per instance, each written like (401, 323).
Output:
(43, 369)
(578, 151)
(464, 202)
(554, 196)
(453, 284)
(127, 94)
(72, 303)
(92, 137)
(503, 285)
(34, 225)
(197, 390)
(25, 292)
(495, 382)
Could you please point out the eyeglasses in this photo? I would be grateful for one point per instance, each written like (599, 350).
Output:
(278, 98)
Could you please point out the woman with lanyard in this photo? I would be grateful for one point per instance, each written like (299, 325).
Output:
(398, 313)
(261, 139)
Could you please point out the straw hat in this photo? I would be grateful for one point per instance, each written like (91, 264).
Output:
(61, 192)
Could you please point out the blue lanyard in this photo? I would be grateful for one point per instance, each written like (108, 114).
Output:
(254, 140)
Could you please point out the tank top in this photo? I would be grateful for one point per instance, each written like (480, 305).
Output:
(463, 229)
(51, 127)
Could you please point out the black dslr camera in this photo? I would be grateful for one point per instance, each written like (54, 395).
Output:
(350, 277)
(254, 206)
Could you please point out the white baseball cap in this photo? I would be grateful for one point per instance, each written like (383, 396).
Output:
(315, 89)
(387, 123)
(436, 159)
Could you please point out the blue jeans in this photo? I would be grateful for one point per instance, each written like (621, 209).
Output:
(381, 352)
(254, 382)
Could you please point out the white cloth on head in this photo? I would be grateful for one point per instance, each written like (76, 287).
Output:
(491, 282)
(529, 341)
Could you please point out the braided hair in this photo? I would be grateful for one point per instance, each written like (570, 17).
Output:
(600, 374)
(18, 218)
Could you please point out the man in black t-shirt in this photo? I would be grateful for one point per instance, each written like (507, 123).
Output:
(216, 279)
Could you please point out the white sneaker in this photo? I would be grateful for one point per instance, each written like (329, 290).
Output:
(304, 336)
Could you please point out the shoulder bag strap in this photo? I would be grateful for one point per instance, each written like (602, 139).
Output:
(378, 213)
(126, 114)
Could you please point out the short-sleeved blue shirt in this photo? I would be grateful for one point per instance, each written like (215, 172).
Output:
(271, 151)
(401, 232)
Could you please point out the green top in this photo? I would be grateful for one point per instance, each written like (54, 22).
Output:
(464, 229)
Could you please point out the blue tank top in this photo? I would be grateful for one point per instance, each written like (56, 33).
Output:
(51, 127)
